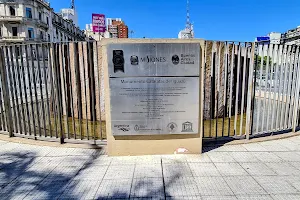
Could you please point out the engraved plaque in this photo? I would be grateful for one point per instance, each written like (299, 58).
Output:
(154, 105)
(154, 88)
(155, 59)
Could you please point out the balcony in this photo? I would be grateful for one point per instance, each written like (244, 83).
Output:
(12, 39)
(17, 19)
(42, 24)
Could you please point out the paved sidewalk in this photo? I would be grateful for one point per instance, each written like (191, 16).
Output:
(267, 170)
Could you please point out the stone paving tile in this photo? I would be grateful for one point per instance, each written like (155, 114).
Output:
(289, 156)
(293, 180)
(194, 197)
(198, 158)
(174, 159)
(295, 164)
(243, 185)
(204, 169)
(182, 186)
(267, 157)
(244, 156)
(130, 160)
(220, 157)
(48, 189)
(254, 197)
(120, 172)
(235, 148)
(102, 160)
(91, 173)
(292, 146)
(60, 152)
(114, 189)
(177, 170)
(283, 168)
(257, 169)
(286, 197)
(273, 146)
(80, 190)
(213, 186)
(148, 171)
(275, 185)
(63, 173)
(154, 159)
(147, 187)
(256, 147)
(231, 169)
(74, 161)
(218, 198)
(85, 152)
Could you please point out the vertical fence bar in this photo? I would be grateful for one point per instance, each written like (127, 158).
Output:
(59, 91)
(289, 86)
(39, 77)
(70, 67)
(52, 69)
(225, 63)
(11, 49)
(265, 89)
(5, 93)
(46, 86)
(82, 86)
(282, 62)
(268, 89)
(35, 90)
(218, 66)
(296, 103)
(92, 89)
(87, 87)
(211, 91)
(251, 91)
(98, 86)
(25, 90)
(284, 93)
(237, 89)
(276, 55)
(243, 88)
(261, 49)
(231, 87)
(30, 89)
(295, 91)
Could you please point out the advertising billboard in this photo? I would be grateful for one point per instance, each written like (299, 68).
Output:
(98, 21)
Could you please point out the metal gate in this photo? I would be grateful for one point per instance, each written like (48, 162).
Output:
(250, 90)
(48, 98)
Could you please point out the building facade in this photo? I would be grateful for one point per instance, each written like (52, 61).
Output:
(115, 28)
(291, 37)
(34, 21)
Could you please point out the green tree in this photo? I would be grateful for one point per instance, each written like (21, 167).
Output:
(265, 60)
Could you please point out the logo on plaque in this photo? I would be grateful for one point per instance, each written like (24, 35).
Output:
(175, 60)
(134, 60)
(172, 127)
(124, 128)
(187, 127)
(136, 128)
(118, 60)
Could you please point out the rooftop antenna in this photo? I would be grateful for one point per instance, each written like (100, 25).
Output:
(73, 4)
(188, 23)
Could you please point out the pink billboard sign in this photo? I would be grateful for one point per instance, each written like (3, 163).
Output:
(98, 21)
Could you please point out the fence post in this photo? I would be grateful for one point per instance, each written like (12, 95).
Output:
(249, 94)
(6, 97)
(296, 104)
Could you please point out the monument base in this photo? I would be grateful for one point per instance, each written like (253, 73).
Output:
(153, 145)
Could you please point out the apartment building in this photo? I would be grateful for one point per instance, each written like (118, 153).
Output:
(34, 21)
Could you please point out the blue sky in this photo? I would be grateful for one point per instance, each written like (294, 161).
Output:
(238, 20)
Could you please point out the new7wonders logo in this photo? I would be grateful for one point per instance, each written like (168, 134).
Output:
(124, 128)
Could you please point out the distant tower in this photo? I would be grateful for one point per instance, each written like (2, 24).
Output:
(73, 4)
(188, 32)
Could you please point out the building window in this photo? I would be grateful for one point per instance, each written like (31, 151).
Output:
(30, 33)
(41, 35)
(29, 13)
(48, 37)
(40, 16)
(47, 20)
(12, 11)
(0, 32)
(14, 31)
